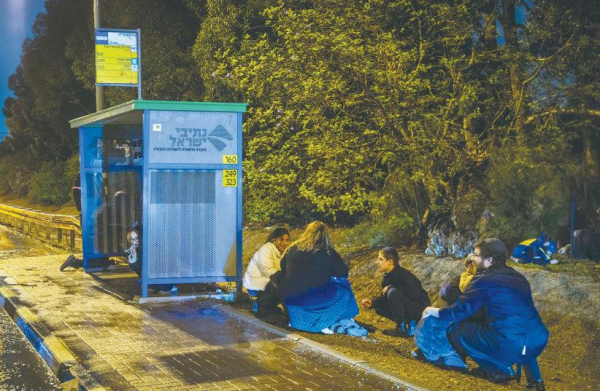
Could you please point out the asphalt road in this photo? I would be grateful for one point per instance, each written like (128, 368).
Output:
(21, 367)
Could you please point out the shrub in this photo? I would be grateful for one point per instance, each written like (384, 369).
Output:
(51, 184)
(529, 194)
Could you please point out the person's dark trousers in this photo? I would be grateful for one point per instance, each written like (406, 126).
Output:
(493, 371)
(399, 307)
(268, 300)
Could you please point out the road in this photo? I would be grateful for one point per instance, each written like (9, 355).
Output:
(21, 367)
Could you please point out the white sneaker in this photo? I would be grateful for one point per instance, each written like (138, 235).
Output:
(554, 262)
(327, 331)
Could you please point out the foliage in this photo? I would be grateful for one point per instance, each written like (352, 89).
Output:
(50, 185)
(14, 176)
(527, 190)
(363, 110)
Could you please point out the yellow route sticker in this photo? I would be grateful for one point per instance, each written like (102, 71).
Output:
(230, 178)
(229, 159)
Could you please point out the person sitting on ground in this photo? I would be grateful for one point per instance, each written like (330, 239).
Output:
(537, 251)
(512, 331)
(586, 244)
(313, 288)
(430, 333)
(402, 296)
(134, 258)
(73, 261)
(452, 289)
(264, 264)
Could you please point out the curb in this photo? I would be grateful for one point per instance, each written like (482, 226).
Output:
(55, 354)
(319, 347)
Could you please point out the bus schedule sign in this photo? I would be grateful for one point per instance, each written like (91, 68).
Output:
(117, 57)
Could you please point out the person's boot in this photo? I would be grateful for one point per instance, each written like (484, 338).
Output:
(534, 377)
(70, 262)
(495, 376)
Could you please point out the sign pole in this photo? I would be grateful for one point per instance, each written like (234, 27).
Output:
(99, 89)
(139, 56)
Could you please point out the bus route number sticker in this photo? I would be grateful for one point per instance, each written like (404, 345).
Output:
(230, 178)
(229, 159)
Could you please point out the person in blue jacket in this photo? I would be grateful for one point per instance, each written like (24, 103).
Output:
(511, 331)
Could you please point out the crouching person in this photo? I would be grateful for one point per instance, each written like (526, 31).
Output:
(402, 299)
(265, 263)
(511, 330)
(314, 289)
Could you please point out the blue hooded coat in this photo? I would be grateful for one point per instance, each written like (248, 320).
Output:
(512, 330)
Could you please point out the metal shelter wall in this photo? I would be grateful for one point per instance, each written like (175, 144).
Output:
(175, 167)
(192, 216)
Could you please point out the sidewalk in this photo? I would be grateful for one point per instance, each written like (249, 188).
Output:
(194, 345)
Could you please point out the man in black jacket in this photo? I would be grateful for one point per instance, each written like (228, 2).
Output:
(402, 299)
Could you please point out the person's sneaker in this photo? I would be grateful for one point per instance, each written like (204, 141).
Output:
(418, 354)
(395, 332)
(68, 263)
(494, 377)
(554, 262)
(327, 331)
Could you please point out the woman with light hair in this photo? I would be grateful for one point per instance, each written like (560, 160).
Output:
(314, 289)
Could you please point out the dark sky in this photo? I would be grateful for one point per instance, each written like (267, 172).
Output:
(16, 20)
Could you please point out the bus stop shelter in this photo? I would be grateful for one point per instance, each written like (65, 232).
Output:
(172, 172)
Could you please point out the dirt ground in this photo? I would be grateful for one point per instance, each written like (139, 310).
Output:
(567, 296)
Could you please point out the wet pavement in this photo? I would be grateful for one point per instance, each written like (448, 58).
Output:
(21, 367)
(195, 345)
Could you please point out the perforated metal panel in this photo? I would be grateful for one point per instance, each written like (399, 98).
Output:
(113, 204)
(182, 224)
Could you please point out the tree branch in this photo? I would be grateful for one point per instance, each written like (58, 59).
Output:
(556, 111)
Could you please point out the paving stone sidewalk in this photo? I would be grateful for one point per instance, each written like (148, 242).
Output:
(193, 345)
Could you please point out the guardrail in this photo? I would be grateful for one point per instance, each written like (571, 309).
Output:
(59, 230)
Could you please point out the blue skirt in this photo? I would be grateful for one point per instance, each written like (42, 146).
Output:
(322, 307)
(431, 338)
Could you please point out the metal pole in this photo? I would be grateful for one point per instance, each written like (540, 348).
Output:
(139, 56)
(99, 89)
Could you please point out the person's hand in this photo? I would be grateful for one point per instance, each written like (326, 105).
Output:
(367, 303)
(132, 257)
(385, 289)
(431, 311)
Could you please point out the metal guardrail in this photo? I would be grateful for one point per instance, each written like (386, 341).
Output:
(59, 230)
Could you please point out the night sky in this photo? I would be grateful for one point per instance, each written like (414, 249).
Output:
(16, 19)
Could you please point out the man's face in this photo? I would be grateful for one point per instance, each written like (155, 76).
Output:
(481, 262)
(134, 240)
(282, 242)
(384, 265)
